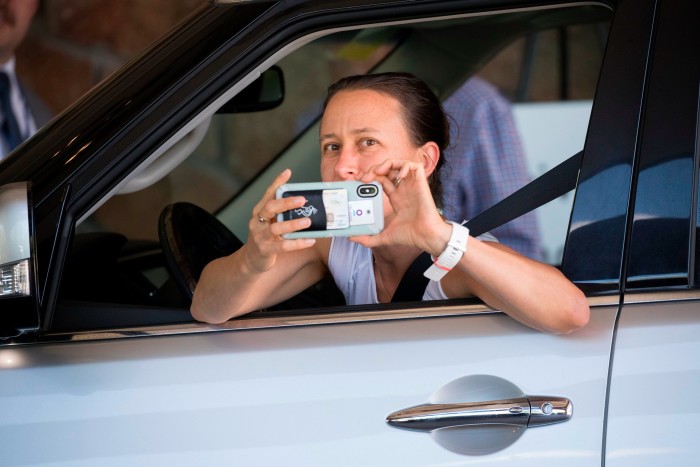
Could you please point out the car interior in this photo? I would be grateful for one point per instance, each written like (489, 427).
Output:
(135, 257)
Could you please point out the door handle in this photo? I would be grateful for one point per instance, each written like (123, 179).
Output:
(528, 411)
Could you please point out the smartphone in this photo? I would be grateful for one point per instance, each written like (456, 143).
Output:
(336, 209)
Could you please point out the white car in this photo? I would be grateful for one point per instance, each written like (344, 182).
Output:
(102, 364)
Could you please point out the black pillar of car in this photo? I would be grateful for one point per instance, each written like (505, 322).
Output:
(594, 252)
(663, 229)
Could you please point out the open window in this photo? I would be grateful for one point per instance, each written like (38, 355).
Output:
(237, 155)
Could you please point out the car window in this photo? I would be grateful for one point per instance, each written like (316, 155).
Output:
(551, 66)
(548, 76)
(237, 147)
(552, 94)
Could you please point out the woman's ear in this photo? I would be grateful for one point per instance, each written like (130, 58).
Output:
(431, 154)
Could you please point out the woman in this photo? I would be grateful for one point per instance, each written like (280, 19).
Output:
(390, 128)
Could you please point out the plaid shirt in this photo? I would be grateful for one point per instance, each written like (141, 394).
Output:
(485, 162)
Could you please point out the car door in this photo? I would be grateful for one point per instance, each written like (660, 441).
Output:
(655, 362)
(315, 393)
(316, 388)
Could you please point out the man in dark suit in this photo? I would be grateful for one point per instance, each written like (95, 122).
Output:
(21, 112)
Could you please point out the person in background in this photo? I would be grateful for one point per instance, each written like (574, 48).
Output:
(21, 112)
(486, 163)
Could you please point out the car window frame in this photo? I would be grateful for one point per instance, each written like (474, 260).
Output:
(70, 210)
(262, 180)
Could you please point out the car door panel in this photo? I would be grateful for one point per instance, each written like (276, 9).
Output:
(316, 394)
(654, 384)
(655, 372)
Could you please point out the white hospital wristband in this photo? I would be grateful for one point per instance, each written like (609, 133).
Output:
(452, 254)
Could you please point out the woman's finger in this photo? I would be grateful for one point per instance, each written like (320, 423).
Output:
(280, 228)
(259, 209)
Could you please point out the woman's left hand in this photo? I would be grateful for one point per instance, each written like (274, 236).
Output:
(415, 216)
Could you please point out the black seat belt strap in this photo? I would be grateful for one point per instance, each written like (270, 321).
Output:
(549, 186)
(413, 283)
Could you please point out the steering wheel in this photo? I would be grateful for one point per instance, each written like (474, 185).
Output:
(191, 237)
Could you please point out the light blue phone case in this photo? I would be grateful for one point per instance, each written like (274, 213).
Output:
(337, 209)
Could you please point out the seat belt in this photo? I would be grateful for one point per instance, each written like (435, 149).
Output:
(547, 187)
(413, 283)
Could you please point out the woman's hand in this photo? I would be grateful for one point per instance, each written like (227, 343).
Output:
(265, 240)
(415, 219)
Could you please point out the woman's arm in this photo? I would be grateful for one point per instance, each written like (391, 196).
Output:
(230, 287)
(534, 293)
(264, 271)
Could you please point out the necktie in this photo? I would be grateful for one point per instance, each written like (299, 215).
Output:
(10, 128)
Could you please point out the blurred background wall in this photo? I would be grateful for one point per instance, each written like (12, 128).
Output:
(74, 44)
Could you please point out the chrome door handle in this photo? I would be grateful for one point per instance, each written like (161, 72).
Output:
(528, 411)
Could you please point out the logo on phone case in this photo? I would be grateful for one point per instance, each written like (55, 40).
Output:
(306, 211)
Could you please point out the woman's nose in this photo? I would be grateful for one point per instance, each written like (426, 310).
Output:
(346, 167)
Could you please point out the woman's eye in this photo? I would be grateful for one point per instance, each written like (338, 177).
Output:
(368, 142)
(331, 147)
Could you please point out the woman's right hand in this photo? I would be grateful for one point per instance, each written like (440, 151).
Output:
(262, 272)
(265, 241)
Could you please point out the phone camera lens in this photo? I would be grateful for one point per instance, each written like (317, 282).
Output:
(367, 191)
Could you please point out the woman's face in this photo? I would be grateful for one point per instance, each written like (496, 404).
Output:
(360, 129)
